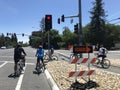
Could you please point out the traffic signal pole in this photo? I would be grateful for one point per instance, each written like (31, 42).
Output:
(48, 27)
(49, 44)
(80, 24)
(79, 33)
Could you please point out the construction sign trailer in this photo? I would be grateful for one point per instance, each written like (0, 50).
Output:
(83, 49)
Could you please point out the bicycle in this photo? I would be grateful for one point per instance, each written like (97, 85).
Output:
(20, 66)
(74, 55)
(52, 57)
(40, 68)
(105, 64)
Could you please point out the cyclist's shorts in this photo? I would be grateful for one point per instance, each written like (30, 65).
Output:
(16, 60)
(38, 59)
(103, 56)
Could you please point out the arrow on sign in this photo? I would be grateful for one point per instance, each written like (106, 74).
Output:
(82, 49)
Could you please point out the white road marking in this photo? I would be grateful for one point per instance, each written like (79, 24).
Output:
(13, 62)
(5, 62)
(19, 83)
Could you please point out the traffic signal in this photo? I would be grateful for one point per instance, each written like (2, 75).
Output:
(62, 18)
(76, 28)
(23, 34)
(7, 34)
(48, 22)
(58, 20)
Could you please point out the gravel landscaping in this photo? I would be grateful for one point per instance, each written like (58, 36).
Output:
(59, 71)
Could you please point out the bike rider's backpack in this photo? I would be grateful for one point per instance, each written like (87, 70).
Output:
(103, 51)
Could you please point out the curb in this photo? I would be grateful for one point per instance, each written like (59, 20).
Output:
(51, 82)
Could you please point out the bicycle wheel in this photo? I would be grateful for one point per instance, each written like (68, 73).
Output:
(74, 56)
(106, 63)
(96, 62)
(54, 57)
(38, 69)
(21, 64)
(42, 67)
(46, 57)
(18, 72)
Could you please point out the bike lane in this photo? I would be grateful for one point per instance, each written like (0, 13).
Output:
(7, 82)
(33, 81)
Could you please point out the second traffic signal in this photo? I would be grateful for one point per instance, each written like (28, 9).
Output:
(62, 18)
(23, 34)
(48, 22)
(58, 20)
(76, 28)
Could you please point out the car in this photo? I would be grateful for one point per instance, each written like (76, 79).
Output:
(3, 47)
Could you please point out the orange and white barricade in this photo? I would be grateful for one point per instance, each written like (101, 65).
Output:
(82, 60)
(82, 73)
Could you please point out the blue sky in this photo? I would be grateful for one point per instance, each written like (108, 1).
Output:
(19, 16)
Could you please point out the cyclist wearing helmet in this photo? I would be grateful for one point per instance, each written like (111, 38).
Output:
(19, 53)
(102, 52)
(39, 54)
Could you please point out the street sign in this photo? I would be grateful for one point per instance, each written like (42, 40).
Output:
(83, 49)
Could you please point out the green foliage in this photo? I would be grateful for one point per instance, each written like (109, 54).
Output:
(8, 41)
(68, 38)
(2, 40)
(97, 24)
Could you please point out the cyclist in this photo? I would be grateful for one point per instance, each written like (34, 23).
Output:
(18, 54)
(51, 50)
(39, 54)
(102, 53)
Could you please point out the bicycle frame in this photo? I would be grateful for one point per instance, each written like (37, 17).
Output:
(40, 67)
(52, 57)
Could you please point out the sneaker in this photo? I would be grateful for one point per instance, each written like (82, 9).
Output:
(16, 74)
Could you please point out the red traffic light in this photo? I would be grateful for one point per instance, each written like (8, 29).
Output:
(48, 22)
(48, 17)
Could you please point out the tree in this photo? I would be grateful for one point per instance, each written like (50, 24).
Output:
(2, 40)
(69, 38)
(97, 24)
(112, 36)
(42, 24)
(14, 38)
(55, 38)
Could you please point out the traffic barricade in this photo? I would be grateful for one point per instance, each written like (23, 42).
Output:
(80, 60)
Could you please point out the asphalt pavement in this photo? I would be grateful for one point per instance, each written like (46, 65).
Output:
(28, 80)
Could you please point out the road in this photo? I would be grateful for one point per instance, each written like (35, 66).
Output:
(27, 80)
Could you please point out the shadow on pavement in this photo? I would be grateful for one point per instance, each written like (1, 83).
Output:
(12, 75)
